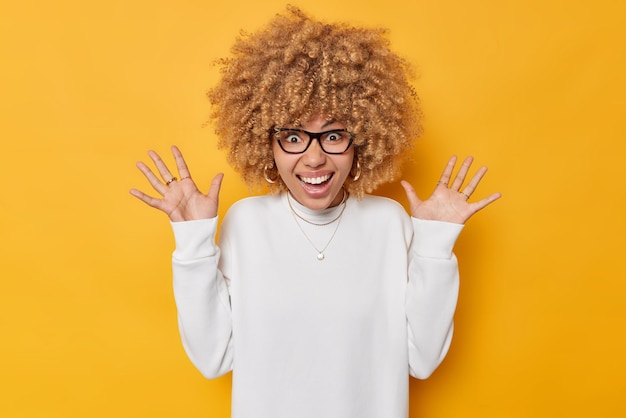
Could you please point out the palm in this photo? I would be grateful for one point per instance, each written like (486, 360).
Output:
(181, 200)
(186, 202)
(448, 203)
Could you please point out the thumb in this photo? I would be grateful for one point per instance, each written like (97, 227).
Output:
(414, 200)
(216, 185)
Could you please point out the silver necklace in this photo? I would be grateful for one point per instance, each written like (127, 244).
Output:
(343, 202)
(320, 253)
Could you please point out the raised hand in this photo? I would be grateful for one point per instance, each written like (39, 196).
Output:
(181, 200)
(449, 203)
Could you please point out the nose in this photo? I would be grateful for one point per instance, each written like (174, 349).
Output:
(314, 156)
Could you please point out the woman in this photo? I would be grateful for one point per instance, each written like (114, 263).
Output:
(320, 298)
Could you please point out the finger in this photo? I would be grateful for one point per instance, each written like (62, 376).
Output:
(460, 176)
(481, 204)
(447, 172)
(216, 185)
(181, 165)
(166, 175)
(149, 200)
(412, 197)
(473, 183)
(152, 178)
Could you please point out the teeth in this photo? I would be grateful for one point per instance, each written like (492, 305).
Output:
(315, 180)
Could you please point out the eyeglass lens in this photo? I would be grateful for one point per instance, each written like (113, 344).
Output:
(297, 141)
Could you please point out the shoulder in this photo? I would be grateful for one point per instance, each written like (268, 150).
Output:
(253, 209)
(380, 205)
(255, 203)
(382, 218)
(380, 210)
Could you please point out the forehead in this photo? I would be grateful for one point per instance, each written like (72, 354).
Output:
(317, 123)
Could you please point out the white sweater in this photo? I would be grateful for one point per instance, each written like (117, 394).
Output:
(335, 338)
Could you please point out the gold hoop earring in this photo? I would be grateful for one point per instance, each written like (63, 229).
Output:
(267, 177)
(356, 176)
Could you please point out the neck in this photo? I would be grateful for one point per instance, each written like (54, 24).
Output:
(339, 199)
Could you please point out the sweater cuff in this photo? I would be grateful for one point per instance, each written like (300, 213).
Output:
(434, 239)
(195, 239)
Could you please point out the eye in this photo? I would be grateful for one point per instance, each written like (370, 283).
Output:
(292, 138)
(334, 137)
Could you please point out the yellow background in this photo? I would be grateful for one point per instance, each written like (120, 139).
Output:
(534, 89)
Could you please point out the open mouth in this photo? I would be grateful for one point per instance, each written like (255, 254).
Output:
(316, 181)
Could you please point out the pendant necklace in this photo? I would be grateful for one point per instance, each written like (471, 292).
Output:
(320, 253)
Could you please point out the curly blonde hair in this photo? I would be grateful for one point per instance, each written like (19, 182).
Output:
(296, 68)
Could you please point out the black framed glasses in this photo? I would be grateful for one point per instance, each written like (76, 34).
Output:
(297, 141)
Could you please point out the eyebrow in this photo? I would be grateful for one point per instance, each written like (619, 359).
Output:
(328, 122)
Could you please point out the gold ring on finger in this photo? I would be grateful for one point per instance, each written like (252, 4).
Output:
(173, 179)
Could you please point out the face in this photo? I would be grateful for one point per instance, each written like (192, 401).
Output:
(314, 178)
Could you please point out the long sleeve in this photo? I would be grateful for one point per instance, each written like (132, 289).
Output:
(432, 293)
(202, 297)
(316, 338)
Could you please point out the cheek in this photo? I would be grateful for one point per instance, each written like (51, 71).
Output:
(284, 163)
(346, 163)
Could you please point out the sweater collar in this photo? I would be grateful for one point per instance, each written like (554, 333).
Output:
(311, 215)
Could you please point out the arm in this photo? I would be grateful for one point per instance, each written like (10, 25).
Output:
(202, 298)
(431, 296)
(200, 290)
(433, 283)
